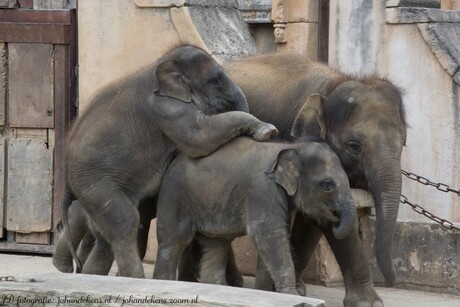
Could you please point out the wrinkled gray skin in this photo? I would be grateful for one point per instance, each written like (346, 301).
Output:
(79, 231)
(262, 185)
(119, 150)
(83, 237)
(363, 121)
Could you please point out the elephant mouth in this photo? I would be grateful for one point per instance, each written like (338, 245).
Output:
(335, 216)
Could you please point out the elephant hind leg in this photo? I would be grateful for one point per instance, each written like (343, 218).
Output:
(100, 257)
(117, 219)
(78, 227)
(86, 246)
(189, 265)
(214, 259)
(62, 258)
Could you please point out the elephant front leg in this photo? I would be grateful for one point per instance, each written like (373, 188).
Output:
(207, 133)
(354, 264)
(172, 241)
(274, 250)
(168, 257)
(304, 238)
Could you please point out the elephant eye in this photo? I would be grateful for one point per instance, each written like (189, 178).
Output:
(328, 185)
(354, 147)
(217, 80)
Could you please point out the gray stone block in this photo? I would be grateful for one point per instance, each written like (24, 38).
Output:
(444, 41)
(426, 257)
(223, 31)
(53, 289)
(417, 15)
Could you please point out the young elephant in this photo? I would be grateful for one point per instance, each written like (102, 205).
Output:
(120, 148)
(249, 187)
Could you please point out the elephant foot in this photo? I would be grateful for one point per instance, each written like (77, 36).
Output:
(289, 290)
(63, 266)
(362, 298)
(300, 285)
(234, 278)
(264, 132)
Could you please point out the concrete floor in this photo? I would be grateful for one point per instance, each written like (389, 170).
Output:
(11, 264)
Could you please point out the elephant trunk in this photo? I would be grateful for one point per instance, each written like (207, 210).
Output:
(385, 185)
(347, 211)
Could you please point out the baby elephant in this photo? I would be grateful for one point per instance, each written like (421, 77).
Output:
(249, 188)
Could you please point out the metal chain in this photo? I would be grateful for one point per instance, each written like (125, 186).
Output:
(441, 187)
(431, 216)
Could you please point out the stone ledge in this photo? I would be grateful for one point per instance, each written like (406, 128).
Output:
(419, 15)
(444, 39)
(436, 4)
(256, 11)
(177, 3)
(46, 289)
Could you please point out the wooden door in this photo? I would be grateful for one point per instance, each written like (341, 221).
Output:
(37, 102)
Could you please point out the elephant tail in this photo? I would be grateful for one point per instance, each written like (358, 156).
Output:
(66, 202)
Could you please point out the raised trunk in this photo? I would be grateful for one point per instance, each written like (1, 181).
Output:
(385, 185)
(347, 211)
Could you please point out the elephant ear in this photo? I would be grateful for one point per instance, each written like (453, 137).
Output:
(170, 83)
(309, 120)
(285, 170)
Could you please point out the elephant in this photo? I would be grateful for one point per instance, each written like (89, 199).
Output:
(248, 187)
(119, 149)
(362, 119)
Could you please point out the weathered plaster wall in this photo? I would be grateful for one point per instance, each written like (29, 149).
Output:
(355, 35)
(118, 39)
(121, 38)
(433, 113)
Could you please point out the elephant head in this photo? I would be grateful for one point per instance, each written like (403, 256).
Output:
(364, 123)
(313, 176)
(189, 74)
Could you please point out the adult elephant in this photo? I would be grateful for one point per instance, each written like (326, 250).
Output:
(363, 121)
(120, 148)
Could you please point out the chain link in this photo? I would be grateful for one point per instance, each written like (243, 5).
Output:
(440, 186)
(7, 278)
(431, 216)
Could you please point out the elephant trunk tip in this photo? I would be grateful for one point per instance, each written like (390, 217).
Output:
(347, 214)
(338, 232)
